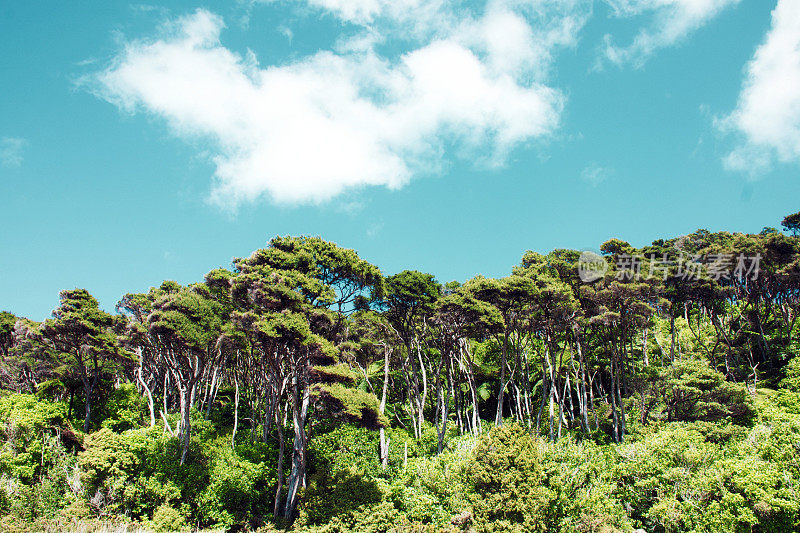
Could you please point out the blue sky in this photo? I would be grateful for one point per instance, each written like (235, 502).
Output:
(148, 142)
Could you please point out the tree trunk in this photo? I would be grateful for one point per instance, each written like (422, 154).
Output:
(281, 453)
(185, 432)
(235, 412)
(300, 401)
(384, 449)
(150, 403)
(88, 390)
(498, 417)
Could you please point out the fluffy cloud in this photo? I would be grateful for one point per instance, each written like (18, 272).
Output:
(767, 115)
(672, 20)
(11, 149)
(308, 130)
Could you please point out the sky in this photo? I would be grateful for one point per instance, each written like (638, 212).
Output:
(143, 142)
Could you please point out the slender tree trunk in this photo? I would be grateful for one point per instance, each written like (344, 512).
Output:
(185, 432)
(384, 450)
(88, 390)
(235, 412)
(281, 453)
(672, 335)
(149, 397)
(300, 401)
(421, 416)
(498, 417)
(582, 388)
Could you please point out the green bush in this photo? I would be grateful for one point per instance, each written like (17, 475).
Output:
(675, 479)
(124, 408)
(338, 494)
(26, 421)
(507, 481)
(581, 476)
(430, 490)
(168, 519)
(135, 472)
(240, 483)
(693, 391)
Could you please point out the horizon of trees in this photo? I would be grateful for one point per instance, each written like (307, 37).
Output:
(304, 335)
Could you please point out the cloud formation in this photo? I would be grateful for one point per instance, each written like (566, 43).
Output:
(595, 174)
(11, 149)
(767, 115)
(670, 22)
(349, 117)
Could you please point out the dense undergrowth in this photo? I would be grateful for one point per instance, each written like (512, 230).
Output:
(667, 476)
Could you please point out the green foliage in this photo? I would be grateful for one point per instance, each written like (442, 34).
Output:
(615, 246)
(340, 373)
(37, 473)
(693, 391)
(344, 485)
(792, 223)
(676, 480)
(507, 482)
(187, 318)
(433, 489)
(27, 424)
(124, 408)
(240, 479)
(167, 519)
(351, 405)
(336, 494)
(630, 360)
(581, 477)
(346, 447)
(791, 380)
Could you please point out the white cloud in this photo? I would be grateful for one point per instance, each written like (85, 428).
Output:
(374, 229)
(11, 149)
(671, 22)
(595, 174)
(308, 130)
(416, 16)
(767, 115)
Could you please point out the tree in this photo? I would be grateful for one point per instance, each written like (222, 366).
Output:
(692, 391)
(187, 323)
(30, 362)
(410, 300)
(83, 342)
(7, 321)
(615, 247)
(620, 309)
(459, 316)
(792, 223)
(373, 341)
(510, 296)
(290, 301)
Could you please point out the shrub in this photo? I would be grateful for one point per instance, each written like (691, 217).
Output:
(507, 482)
(26, 420)
(240, 483)
(693, 391)
(166, 518)
(124, 408)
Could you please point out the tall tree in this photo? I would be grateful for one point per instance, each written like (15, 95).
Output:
(187, 323)
(410, 300)
(84, 343)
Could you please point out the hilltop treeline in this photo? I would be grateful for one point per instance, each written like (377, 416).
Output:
(652, 387)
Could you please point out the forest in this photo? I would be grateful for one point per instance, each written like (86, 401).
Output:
(300, 389)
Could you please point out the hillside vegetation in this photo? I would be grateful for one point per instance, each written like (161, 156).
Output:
(653, 389)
